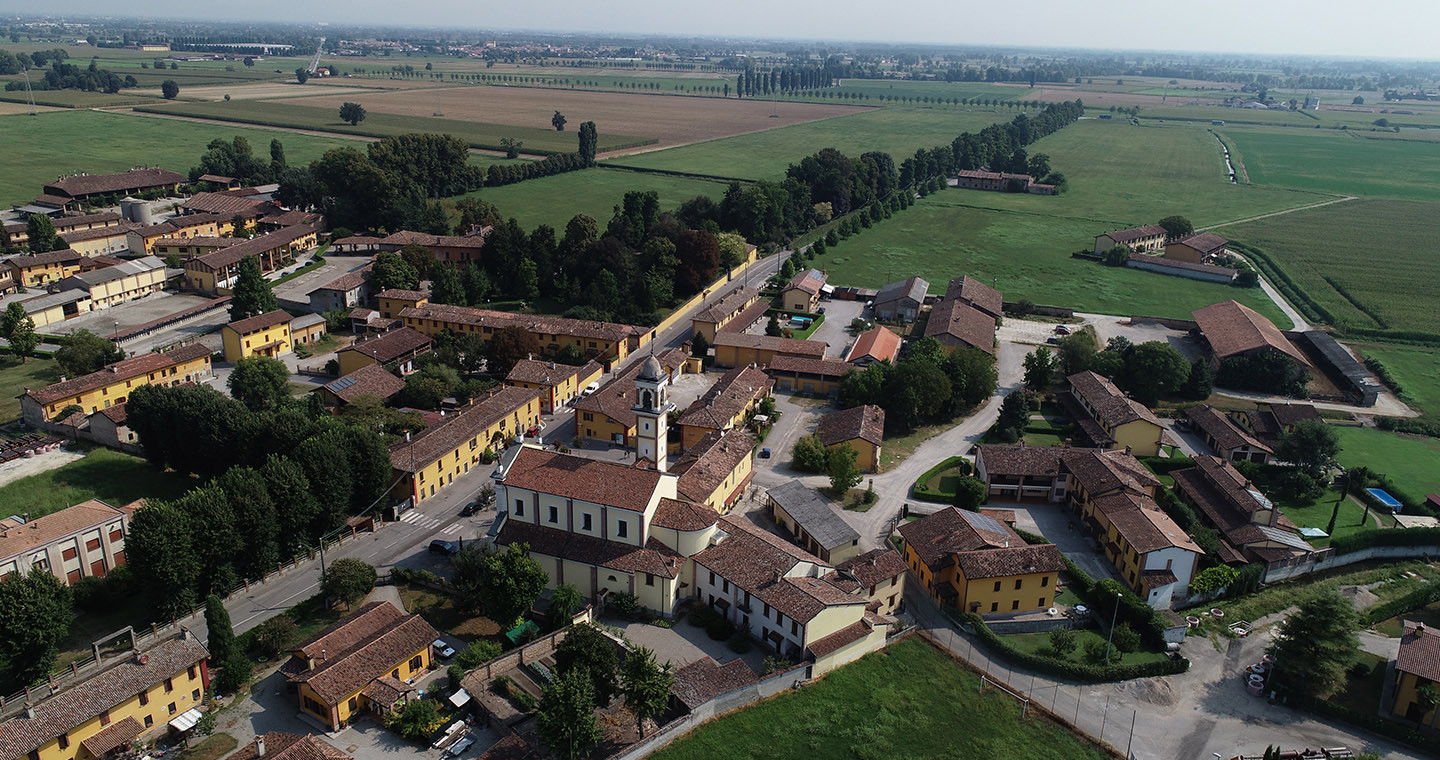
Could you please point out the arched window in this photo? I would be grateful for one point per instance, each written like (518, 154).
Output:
(645, 400)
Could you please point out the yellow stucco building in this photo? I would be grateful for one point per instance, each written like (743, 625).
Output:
(606, 341)
(710, 320)
(266, 334)
(433, 459)
(1110, 419)
(396, 349)
(559, 384)
(803, 291)
(393, 301)
(975, 563)
(741, 349)
(1416, 667)
(113, 384)
(122, 282)
(38, 269)
(862, 427)
(728, 404)
(715, 471)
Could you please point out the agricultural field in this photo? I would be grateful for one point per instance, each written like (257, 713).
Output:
(1336, 162)
(667, 121)
(595, 192)
(912, 697)
(272, 90)
(82, 99)
(1412, 461)
(38, 149)
(1311, 119)
(897, 130)
(1416, 369)
(1027, 255)
(1375, 250)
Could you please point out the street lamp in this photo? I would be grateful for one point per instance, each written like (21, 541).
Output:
(1111, 637)
(117, 329)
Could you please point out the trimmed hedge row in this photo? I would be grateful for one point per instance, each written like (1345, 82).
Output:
(1167, 465)
(1400, 732)
(1364, 539)
(1100, 596)
(1064, 668)
(921, 493)
(1423, 596)
(1292, 292)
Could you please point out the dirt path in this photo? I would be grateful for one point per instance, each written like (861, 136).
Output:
(1277, 213)
(20, 468)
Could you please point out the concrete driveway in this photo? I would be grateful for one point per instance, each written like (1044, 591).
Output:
(835, 330)
(684, 643)
(1057, 523)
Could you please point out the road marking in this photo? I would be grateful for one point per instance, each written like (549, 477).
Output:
(410, 517)
(453, 529)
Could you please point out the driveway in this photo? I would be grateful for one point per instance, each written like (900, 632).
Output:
(798, 418)
(1057, 523)
(835, 330)
(298, 289)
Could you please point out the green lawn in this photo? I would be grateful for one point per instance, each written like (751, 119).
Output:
(1316, 514)
(1279, 596)
(1362, 694)
(908, 700)
(38, 149)
(596, 192)
(114, 478)
(16, 376)
(1039, 643)
(1336, 162)
(1429, 615)
(1412, 461)
(1026, 255)
(898, 130)
(80, 98)
(376, 124)
(1416, 369)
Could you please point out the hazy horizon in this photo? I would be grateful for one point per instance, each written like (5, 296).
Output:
(1263, 27)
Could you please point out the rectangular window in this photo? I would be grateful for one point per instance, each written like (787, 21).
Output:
(765, 611)
(649, 579)
(519, 507)
(1041, 603)
(415, 663)
(354, 704)
(584, 521)
(794, 628)
(170, 708)
(994, 606)
(191, 672)
(1044, 581)
(68, 553)
(712, 577)
(725, 586)
(169, 685)
(64, 741)
(622, 528)
(1018, 583)
(144, 698)
(554, 514)
(149, 721)
(195, 694)
(997, 585)
(1014, 604)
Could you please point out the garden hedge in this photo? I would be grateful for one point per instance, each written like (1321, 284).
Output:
(1420, 597)
(1364, 539)
(921, 493)
(1062, 668)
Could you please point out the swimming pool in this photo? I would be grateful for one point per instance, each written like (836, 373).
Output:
(1384, 497)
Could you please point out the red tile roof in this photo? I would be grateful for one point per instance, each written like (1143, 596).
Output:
(840, 639)
(654, 557)
(936, 536)
(732, 303)
(42, 531)
(404, 295)
(282, 746)
(112, 736)
(1419, 651)
(877, 344)
(1226, 434)
(574, 477)
(866, 423)
(1137, 233)
(704, 466)
(832, 369)
(349, 631)
(1205, 242)
(1233, 328)
(260, 322)
(969, 290)
(1111, 406)
(960, 322)
(616, 398)
(809, 281)
(95, 184)
(369, 380)
(465, 423)
(221, 203)
(1034, 461)
(540, 325)
(548, 373)
(1100, 472)
(120, 371)
(1140, 522)
(387, 347)
(1008, 561)
(686, 516)
(757, 561)
(717, 408)
(781, 346)
(873, 567)
(346, 672)
(703, 680)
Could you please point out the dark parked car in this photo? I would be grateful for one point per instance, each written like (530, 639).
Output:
(470, 509)
(444, 547)
(764, 453)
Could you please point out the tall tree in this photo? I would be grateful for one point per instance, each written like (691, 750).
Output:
(252, 295)
(352, 113)
(586, 649)
(1152, 369)
(558, 121)
(589, 142)
(277, 155)
(35, 615)
(446, 286)
(23, 339)
(502, 583)
(842, 468)
(169, 89)
(41, 233)
(86, 352)
(1040, 366)
(14, 315)
(566, 718)
(260, 382)
(509, 345)
(245, 489)
(348, 580)
(646, 686)
(1176, 227)
(1311, 445)
(393, 272)
(160, 549)
(1315, 645)
(235, 667)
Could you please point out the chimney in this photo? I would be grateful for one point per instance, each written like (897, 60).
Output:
(1127, 451)
(1419, 630)
(259, 745)
(322, 654)
(29, 711)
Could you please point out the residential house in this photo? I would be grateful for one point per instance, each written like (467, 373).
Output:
(1225, 438)
(189, 247)
(20, 233)
(879, 578)
(344, 292)
(1252, 528)
(1234, 330)
(1200, 248)
(878, 344)
(142, 239)
(276, 745)
(112, 384)
(436, 456)
(803, 291)
(863, 427)
(956, 325)
(83, 541)
(453, 248)
(83, 186)
(38, 269)
(974, 563)
(109, 427)
(743, 349)
(365, 663)
(901, 301)
(816, 376)
(368, 380)
(976, 295)
(122, 282)
(393, 300)
(716, 470)
(559, 384)
(608, 414)
(7, 281)
(812, 521)
(1110, 419)
(1416, 666)
(99, 241)
(396, 350)
(131, 698)
(1269, 422)
(1148, 239)
(217, 271)
(1022, 473)
(606, 342)
(1000, 182)
(729, 403)
(307, 329)
(265, 334)
(715, 317)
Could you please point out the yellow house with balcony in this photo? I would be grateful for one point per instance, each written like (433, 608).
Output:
(975, 563)
(266, 334)
(131, 698)
(37, 269)
(113, 384)
(433, 459)
(1110, 419)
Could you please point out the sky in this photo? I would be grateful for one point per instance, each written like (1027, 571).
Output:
(1376, 28)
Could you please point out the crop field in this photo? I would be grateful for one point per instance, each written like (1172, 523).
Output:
(81, 98)
(1337, 162)
(595, 192)
(7, 108)
(1412, 461)
(272, 91)
(669, 120)
(1416, 369)
(898, 131)
(1027, 255)
(1380, 252)
(1323, 118)
(40, 148)
(285, 113)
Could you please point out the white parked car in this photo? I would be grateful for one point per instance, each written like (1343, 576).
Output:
(445, 651)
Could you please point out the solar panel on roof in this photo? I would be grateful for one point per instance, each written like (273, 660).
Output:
(341, 384)
(983, 522)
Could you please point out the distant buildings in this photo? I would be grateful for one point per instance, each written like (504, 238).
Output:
(84, 186)
(1148, 239)
(1000, 182)
(83, 541)
(113, 384)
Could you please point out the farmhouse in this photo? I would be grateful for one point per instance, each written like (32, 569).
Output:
(344, 292)
(393, 300)
(605, 341)
(728, 404)
(189, 247)
(307, 329)
(975, 563)
(716, 470)
(1252, 529)
(1225, 438)
(975, 294)
(742, 349)
(878, 344)
(54, 308)
(803, 291)
(813, 522)
(809, 375)
(1001, 182)
(261, 335)
(1270, 421)
(368, 380)
(1233, 329)
(122, 282)
(20, 234)
(83, 541)
(1200, 248)
(1417, 665)
(1110, 419)
(109, 427)
(216, 272)
(863, 427)
(440, 453)
(879, 577)
(84, 186)
(112, 384)
(395, 350)
(454, 248)
(956, 324)
(901, 301)
(1148, 239)
(142, 239)
(1022, 473)
(723, 312)
(558, 384)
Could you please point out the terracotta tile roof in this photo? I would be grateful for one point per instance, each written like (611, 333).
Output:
(255, 246)
(969, 290)
(220, 203)
(43, 531)
(1419, 651)
(833, 369)
(348, 632)
(840, 639)
(718, 407)
(810, 281)
(1006, 516)
(95, 233)
(574, 477)
(655, 557)
(1111, 406)
(1161, 261)
(454, 429)
(282, 746)
(404, 295)
(43, 259)
(1158, 578)
(84, 700)
(1014, 560)
(616, 398)
(704, 466)
(683, 516)
(936, 536)
(1230, 502)
(115, 414)
(814, 514)
(1100, 472)
(95, 184)
(781, 346)
(866, 423)
(358, 240)
(199, 241)
(387, 690)
(511, 747)
(1137, 233)
(703, 680)
(877, 344)
(120, 371)
(112, 736)
(260, 322)
(1033, 461)
(548, 373)
(732, 303)
(407, 237)
(746, 317)
(1205, 242)
(1289, 414)
(389, 346)
(369, 380)
(958, 321)
(757, 561)
(1140, 522)
(911, 288)
(1226, 434)
(71, 222)
(1233, 328)
(873, 567)
(344, 673)
(540, 325)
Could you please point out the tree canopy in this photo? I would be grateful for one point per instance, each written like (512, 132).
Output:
(502, 584)
(86, 352)
(252, 295)
(1316, 644)
(352, 113)
(36, 610)
(259, 382)
(347, 580)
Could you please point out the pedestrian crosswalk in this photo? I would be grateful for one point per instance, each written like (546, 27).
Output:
(451, 530)
(418, 519)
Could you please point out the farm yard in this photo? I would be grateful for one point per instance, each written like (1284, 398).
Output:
(595, 192)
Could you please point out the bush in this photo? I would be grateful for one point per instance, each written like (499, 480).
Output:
(1090, 673)
(1125, 638)
(275, 635)
(775, 664)
(478, 653)
(739, 643)
(1062, 641)
(1421, 596)
(455, 673)
(702, 616)
(1095, 652)
(1364, 539)
(625, 605)
(720, 629)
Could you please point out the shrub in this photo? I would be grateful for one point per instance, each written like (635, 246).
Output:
(478, 653)
(1095, 652)
(702, 616)
(739, 643)
(1079, 671)
(720, 629)
(1364, 539)
(274, 635)
(1062, 641)
(1213, 579)
(455, 673)
(1125, 638)
(625, 605)
(775, 664)
(1422, 596)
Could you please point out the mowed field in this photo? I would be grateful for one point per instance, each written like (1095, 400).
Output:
(897, 130)
(672, 120)
(1026, 255)
(38, 149)
(1338, 162)
(1412, 461)
(1380, 252)
(271, 91)
(594, 192)
(1416, 369)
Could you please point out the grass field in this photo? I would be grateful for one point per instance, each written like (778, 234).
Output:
(38, 149)
(114, 478)
(82, 99)
(1028, 256)
(16, 376)
(1391, 580)
(1337, 162)
(1412, 461)
(1375, 250)
(765, 155)
(908, 700)
(554, 200)
(1316, 514)
(477, 134)
(1416, 369)
(1325, 119)
(1039, 644)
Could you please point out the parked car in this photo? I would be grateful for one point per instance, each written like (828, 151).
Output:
(765, 453)
(444, 547)
(470, 509)
(1062, 329)
(820, 310)
(591, 388)
(1052, 339)
(443, 650)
